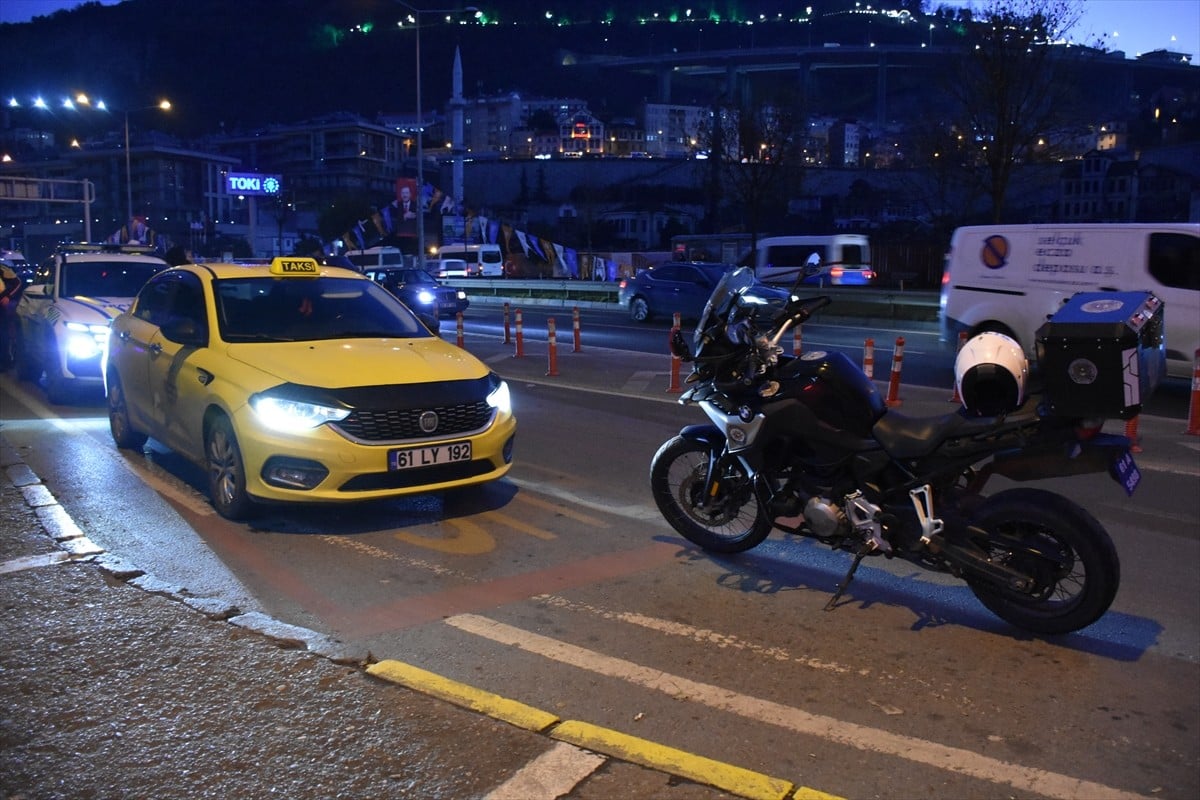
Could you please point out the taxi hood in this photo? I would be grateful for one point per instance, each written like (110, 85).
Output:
(338, 363)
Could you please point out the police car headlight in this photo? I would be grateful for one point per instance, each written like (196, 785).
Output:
(286, 415)
(426, 297)
(85, 341)
(500, 399)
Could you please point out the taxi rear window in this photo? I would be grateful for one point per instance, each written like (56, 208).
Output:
(289, 309)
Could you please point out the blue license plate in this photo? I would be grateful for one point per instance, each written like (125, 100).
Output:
(1126, 473)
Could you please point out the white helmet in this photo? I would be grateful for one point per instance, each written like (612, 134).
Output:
(990, 373)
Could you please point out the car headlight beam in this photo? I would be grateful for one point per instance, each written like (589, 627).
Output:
(288, 415)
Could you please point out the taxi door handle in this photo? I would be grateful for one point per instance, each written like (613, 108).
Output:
(155, 348)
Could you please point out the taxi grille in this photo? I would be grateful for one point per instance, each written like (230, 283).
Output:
(393, 425)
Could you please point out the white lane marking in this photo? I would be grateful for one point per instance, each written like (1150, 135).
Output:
(699, 635)
(849, 734)
(554, 773)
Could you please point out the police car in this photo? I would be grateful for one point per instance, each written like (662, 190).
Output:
(64, 313)
(297, 382)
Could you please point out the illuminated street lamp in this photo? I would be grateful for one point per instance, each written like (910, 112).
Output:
(83, 100)
(164, 105)
(416, 19)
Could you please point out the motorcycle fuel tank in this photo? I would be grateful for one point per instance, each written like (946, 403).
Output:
(835, 390)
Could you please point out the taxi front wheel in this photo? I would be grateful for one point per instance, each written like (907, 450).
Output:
(123, 433)
(226, 471)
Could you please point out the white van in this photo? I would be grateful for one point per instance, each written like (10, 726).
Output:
(483, 260)
(377, 257)
(1011, 278)
(845, 260)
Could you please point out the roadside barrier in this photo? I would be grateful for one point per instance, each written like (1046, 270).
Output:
(962, 341)
(869, 358)
(575, 326)
(893, 395)
(520, 335)
(551, 336)
(507, 336)
(458, 324)
(1131, 433)
(1193, 428)
(675, 386)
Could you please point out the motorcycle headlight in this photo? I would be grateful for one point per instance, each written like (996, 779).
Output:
(289, 416)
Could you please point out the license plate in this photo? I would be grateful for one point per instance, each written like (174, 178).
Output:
(414, 457)
(1126, 473)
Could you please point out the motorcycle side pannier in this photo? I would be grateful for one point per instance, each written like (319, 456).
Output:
(1102, 354)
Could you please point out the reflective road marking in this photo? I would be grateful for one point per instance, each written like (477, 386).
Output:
(952, 759)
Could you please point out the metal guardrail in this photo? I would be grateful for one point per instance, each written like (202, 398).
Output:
(897, 304)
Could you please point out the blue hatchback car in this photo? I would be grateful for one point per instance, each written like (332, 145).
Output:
(675, 286)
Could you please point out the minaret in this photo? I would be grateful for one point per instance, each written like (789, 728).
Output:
(456, 122)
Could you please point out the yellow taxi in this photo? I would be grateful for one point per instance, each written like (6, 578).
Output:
(294, 382)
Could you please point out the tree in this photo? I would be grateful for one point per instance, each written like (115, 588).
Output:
(754, 158)
(1014, 91)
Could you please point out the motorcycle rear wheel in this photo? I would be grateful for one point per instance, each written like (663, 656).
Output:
(730, 522)
(1065, 551)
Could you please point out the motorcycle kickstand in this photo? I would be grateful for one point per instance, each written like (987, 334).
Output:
(863, 551)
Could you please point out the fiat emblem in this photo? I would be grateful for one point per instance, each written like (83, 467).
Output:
(428, 421)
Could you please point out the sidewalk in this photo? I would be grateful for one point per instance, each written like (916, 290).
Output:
(118, 686)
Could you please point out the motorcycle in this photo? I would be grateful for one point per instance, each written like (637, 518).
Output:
(806, 444)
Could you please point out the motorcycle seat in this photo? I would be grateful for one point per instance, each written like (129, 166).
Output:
(913, 437)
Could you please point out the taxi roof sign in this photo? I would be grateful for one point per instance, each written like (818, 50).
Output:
(295, 267)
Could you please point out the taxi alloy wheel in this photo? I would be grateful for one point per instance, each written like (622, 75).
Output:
(123, 432)
(226, 471)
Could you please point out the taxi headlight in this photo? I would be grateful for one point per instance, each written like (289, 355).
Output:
(500, 399)
(425, 296)
(287, 415)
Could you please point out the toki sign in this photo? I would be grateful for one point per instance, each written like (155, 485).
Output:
(251, 183)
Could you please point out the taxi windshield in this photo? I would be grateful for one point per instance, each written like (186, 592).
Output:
(107, 278)
(273, 309)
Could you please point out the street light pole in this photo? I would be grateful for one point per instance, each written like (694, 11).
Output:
(416, 15)
(165, 105)
(128, 177)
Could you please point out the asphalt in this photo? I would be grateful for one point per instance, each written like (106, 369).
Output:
(73, 614)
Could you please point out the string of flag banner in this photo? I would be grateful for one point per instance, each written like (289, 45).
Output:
(399, 219)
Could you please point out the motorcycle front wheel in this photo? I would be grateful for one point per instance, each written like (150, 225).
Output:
(1064, 550)
(726, 519)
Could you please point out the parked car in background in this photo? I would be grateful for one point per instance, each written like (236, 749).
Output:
(678, 287)
(64, 313)
(292, 382)
(421, 292)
